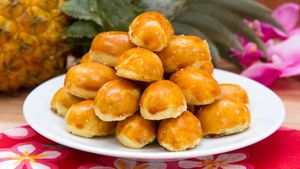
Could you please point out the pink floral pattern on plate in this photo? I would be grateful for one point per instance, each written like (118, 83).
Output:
(30, 154)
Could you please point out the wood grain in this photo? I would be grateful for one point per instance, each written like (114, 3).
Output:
(287, 89)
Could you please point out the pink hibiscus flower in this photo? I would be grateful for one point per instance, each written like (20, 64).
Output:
(30, 155)
(283, 58)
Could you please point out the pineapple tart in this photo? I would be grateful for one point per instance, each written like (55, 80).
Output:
(135, 131)
(162, 99)
(184, 51)
(107, 47)
(117, 99)
(234, 91)
(62, 101)
(85, 58)
(199, 87)
(82, 121)
(150, 30)
(208, 67)
(85, 80)
(224, 117)
(180, 133)
(140, 64)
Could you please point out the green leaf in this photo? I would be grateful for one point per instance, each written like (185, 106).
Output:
(231, 20)
(82, 29)
(213, 28)
(83, 9)
(191, 30)
(170, 8)
(246, 8)
(118, 14)
(81, 45)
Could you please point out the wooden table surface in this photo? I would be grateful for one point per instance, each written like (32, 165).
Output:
(287, 89)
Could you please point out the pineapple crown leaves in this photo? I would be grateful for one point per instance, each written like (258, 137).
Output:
(94, 16)
(170, 8)
(216, 21)
(83, 10)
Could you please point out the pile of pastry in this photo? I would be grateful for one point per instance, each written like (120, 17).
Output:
(149, 84)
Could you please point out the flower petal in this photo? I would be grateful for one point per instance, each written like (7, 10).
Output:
(153, 166)
(189, 164)
(288, 51)
(205, 158)
(287, 14)
(231, 158)
(295, 32)
(124, 164)
(211, 167)
(50, 154)
(16, 132)
(265, 73)
(9, 164)
(35, 165)
(291, 71)
(94, 166)
(29, 148)
(8, 154)
(234, 166)
(270, 32)
(101, 167)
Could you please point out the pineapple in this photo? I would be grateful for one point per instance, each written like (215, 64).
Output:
(33, 32)
(32, 42)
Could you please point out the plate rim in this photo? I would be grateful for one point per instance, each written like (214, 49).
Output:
(162, 155)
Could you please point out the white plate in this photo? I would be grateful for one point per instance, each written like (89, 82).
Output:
(267, 113)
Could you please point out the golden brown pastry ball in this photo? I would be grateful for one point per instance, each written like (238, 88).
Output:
(162, 99)
(116, 100)
(82, 121)
(62, 101)
(234, 91)
(84, 80)
(85, 58)
(150, 30)
(199, 87)
(135, 131)
(224, 117)
(180, 133)
(208, 67)
(141, 65)
(184, 51)
(107, 47)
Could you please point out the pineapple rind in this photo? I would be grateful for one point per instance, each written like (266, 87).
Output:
(32, 44)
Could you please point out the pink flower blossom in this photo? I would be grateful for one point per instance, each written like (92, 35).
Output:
(265, 72)
(220, 161)
(30, 155)
(19, 132)
(250, 55)
(289, 53)
(125, 164)
(283, 58)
